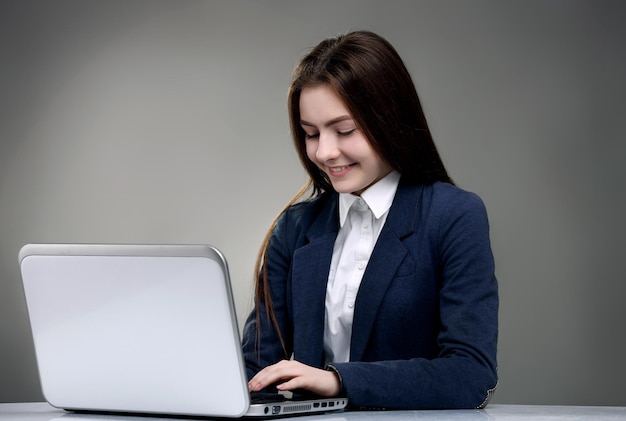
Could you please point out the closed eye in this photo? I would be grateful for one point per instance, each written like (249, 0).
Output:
(346, 133)
(311, 135)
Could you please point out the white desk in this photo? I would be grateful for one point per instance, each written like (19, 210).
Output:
(43, 412)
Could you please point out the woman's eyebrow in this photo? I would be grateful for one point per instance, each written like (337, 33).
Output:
(328, 123)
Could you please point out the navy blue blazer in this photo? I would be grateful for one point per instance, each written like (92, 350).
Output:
(426, 315)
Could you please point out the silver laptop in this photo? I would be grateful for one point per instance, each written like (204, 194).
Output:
(147, 329)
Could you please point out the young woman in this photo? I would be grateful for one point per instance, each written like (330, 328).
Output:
(381, 285)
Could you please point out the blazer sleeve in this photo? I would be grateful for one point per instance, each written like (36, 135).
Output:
(464, 373)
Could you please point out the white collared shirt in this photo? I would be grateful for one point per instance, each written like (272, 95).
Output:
(361, 219)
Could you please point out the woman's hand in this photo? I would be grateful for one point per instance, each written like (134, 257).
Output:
(290, 375)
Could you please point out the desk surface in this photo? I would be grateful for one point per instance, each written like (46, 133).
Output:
(40, 411)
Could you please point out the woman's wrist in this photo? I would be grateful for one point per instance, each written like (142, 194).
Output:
(331, 368)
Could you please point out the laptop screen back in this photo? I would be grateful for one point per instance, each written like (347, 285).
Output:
(148, 329)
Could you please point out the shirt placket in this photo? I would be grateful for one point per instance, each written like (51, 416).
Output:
(362, 220)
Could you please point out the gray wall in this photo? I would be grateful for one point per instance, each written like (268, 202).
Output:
(165, 121)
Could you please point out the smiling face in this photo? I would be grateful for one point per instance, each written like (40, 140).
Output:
(335, 144)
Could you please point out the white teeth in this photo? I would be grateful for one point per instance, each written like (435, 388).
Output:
(338, 169)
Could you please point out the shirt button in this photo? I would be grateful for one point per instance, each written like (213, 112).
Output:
(360, 266)
(351, 305)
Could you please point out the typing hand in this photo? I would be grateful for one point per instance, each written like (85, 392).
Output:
(291, 375)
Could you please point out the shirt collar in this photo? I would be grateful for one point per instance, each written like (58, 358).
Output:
(378, 197)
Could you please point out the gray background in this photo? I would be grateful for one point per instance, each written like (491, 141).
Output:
(165, 121)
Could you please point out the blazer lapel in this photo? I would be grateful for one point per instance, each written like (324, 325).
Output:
(386, 257)
(311, 263)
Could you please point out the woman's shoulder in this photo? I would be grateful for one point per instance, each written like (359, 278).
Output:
(451, 204)
(313, 205)
(304, 213)
(441, 200)
(439, 192)
(446, 194)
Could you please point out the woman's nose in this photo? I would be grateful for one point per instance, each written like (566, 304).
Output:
(326, 148)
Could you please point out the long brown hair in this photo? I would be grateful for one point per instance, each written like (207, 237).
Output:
(368, 75)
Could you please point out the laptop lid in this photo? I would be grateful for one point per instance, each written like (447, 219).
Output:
(137, 328)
